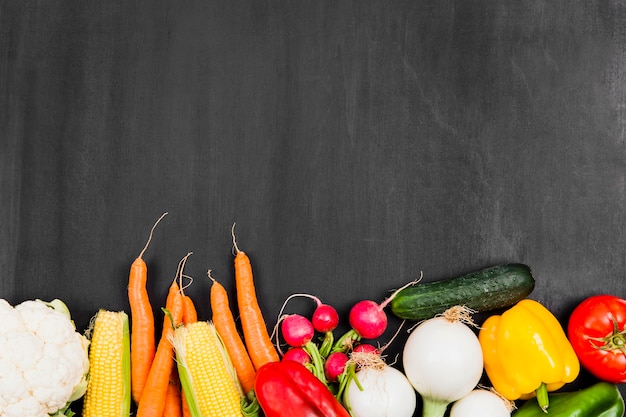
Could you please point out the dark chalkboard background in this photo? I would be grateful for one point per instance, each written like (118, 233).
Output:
(355, 144)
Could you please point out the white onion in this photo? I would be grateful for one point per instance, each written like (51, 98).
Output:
(386, 393)
(443, 360)
(481, 403)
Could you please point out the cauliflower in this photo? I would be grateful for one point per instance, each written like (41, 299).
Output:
(43, 359)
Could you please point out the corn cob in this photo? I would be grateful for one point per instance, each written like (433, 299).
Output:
(108, 386)
(208, 379)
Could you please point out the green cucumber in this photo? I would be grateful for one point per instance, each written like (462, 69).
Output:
(492, 288)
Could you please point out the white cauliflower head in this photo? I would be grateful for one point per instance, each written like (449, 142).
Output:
(43, 359)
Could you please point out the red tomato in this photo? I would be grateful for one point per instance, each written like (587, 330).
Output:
(596, 330)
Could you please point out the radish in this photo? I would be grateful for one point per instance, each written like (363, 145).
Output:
(443, 360)
(368, 320)
(297, 354)
(325, 319)
(366, 348)
(298, 332)
(377, 389)
(335, 365)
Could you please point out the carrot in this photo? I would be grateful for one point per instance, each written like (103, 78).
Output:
(257, 339)
(153, 399)
(142, 338)
(173, 396)
(185, 406)
(190, 315)
(227, 329)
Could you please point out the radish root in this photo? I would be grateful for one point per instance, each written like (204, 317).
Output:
(282, 309)
(392, 296)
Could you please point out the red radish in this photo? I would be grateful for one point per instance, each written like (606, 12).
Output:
(368, 320)
(297, 354)
(325, 318)
(366, 348)
(297, 330)
(335, 365)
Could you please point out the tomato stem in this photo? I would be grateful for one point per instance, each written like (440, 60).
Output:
(614, 341)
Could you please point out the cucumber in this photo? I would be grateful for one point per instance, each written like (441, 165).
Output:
(491, 288)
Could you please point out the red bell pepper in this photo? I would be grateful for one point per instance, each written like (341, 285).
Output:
(289, 389)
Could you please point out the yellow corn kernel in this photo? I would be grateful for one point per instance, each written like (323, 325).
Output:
(207, 376)
(108, 386)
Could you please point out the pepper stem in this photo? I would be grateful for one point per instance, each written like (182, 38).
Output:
(542, 397)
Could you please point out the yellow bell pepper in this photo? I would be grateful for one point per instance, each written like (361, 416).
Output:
(527, 353)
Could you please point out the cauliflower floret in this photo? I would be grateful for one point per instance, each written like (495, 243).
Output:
(27, 407)
(10, 319)
(43, 359)
(53, 328)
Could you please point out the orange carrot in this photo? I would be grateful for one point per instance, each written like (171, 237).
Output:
(190, 315)
(173, 399)
(153, 400)
(257, 339)
(185, 406)
(142, 338)
(227, 329)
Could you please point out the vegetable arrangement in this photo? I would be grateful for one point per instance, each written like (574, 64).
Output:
(518, 362)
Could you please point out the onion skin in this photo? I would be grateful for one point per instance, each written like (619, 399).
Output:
(443, 360)
(386, 393)
(481, 403)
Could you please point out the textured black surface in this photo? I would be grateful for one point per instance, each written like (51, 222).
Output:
(355, 144)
